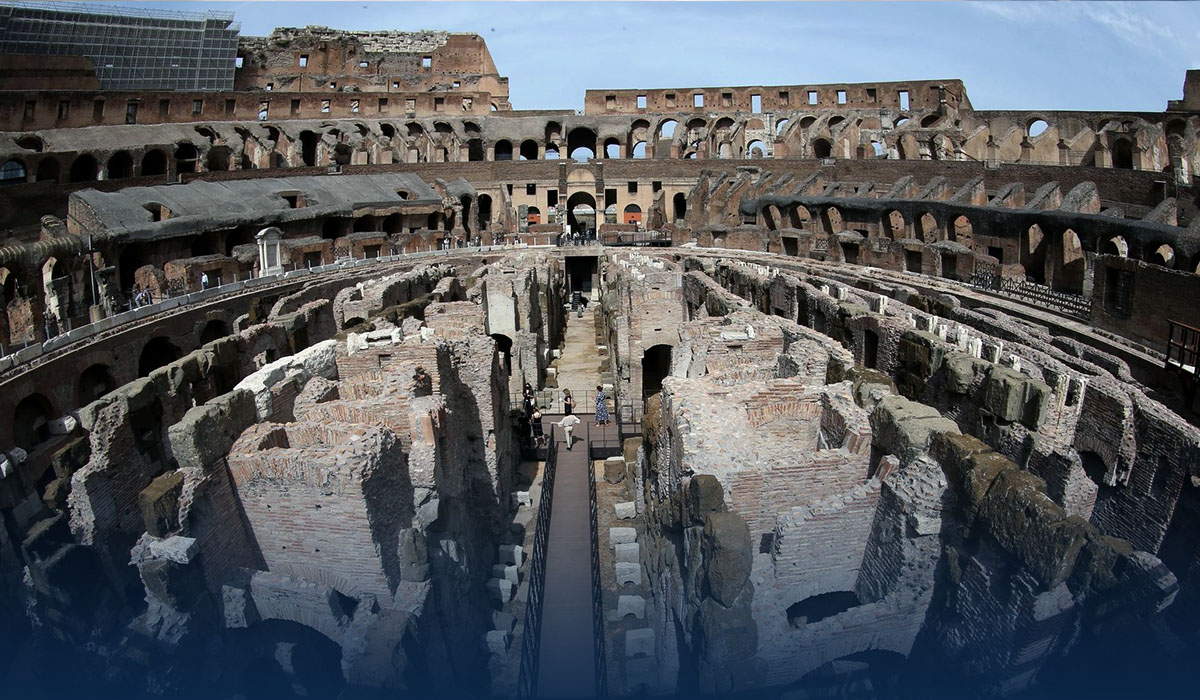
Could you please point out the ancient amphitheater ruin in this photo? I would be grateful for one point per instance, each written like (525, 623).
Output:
(902, 393)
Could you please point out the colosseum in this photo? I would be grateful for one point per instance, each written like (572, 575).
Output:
(874, 394)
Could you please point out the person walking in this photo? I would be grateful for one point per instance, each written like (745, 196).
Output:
(568, 402)
(568, 424)
(539, 437)
(601, 406)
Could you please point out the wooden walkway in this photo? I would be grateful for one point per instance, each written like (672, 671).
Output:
(566, 668)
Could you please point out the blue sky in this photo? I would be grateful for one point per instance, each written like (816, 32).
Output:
(1011, 55)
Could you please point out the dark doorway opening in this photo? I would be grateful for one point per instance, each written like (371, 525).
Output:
(656, 365)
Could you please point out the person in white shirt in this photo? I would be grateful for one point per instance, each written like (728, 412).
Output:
(568, 424)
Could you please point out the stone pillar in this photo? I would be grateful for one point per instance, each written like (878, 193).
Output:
(270, 259)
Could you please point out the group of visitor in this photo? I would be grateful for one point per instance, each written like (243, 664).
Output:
(532, 427)
(142, 296)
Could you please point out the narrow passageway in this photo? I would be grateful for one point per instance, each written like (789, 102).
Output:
(567, 664)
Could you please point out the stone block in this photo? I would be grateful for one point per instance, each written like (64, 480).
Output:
(205, 433)
(727, 634)
(414, 557)
(629, 573)
(614, 470)
(622, 535)
(639, 643)
(238, 607)
(500, 589)
(626, 510)
(505, 622)
(497, 641)
(962, 371)
(631, 605)
(511, 554)
(705, 495)
(903, 427)
(521, 498)
(159, 503)
(508, 572)
(180, 550)
(628, 553)
(728, 555)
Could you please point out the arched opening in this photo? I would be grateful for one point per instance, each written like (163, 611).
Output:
(656, 365)
(504, 351)
(1163, 255)
(218, 159)
(353, 322)
(1033, 254)
(96, 381)
(798, 216)
(465, 202)
(475, 150)
(901, 122)
(120, 165)
(31, 421)
(929, 120)
(47, 170)
(819, 607)
(679, 202)
(1073, 263)
(332, 228)
(962, 231)
(31, 143)
(414, 129)
(1117, 246)
(84, 169)
(154, 162)
(1036, 128)
(503, 150)
(1122, 154)
(878, 149)
(186, 157)
(666, 129)
(756, 149)
(633, 215)
(581, 144)
(365, 223)
(157, 352)
(822, 148)
(387, 130)
(834, 121)
(552, 151)
(870, 349)
(533, 216)
(214, 330)
(308, 147)
(780, 126)
(927, 228)
(343, 154)
(581, 213)
(12, 172)
(393, 223)
(204, 244)
(286, 659)
(612, 149)
(529, 150)
(483, 210)
(807, 122)
(639, 149)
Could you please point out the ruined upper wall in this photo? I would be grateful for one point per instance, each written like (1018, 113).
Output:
(914, 95)
(328, 60)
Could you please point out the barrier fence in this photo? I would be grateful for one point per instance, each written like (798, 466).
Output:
(601, 658)
(531, 636)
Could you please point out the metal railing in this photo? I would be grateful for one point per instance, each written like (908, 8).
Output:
(1066, 303)
(1183, 357)
(531, 637)
(601, 657)
(550, 400)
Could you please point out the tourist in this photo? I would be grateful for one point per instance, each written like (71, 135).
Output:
(203, 280)
(601, 406)
(568, 402)
(568, 424)
(137, 295)
(539, 437)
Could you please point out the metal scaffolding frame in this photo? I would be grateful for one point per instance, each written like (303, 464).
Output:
(133, 49)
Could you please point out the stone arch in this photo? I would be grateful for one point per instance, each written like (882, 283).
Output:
(218, 159)
(529, 150)
(483, 212)
(94, 382)
(1033, 253)
(12, 172)
(159, 351)
(756, 149)
(154, 162)
(666, 128)
(1163, 255)
(1073, 264)
(1122, 154)
(503, 150)
(31, 421)
(581, 144)
(120, 165)
(798, 216)
(962, 230)
(781, 125)
(612, 148)
(581, 206)
(894, 225)
(84, 168)
(213, 330)
(1116, 245)
(639, 149)
(187, 158)
(926, 228)
(831, 217)
(47, 170)
(822, 148)
(1036, 127)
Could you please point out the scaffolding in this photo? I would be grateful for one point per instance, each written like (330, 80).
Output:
(132, 48)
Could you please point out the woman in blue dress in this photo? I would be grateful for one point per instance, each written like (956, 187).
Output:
(601, 407)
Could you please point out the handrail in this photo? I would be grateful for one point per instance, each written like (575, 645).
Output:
(531, 636)
(597, 595)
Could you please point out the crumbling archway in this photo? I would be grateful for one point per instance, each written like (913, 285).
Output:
(94, 382)
(159, 351)
(31, 421)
